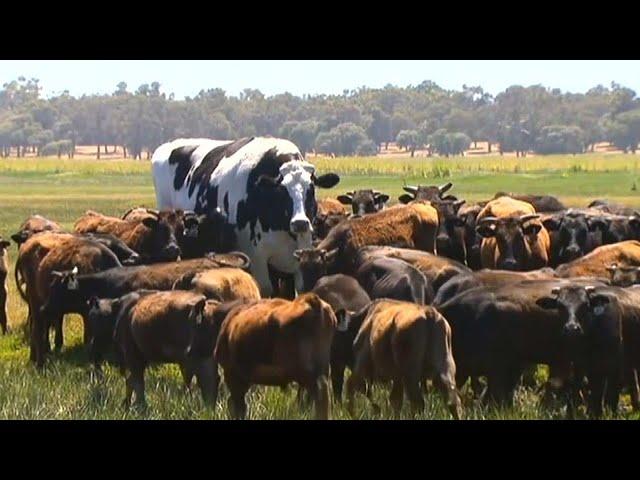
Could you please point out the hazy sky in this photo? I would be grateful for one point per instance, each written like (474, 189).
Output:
(188, 77)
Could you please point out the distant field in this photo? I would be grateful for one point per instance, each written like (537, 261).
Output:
(64, 189)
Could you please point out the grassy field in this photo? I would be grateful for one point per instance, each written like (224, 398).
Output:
(64, 189)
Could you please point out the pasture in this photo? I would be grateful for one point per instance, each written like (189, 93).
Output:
(63, 189)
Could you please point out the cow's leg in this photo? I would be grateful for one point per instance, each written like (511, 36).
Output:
(612, 393)
(208, 380)
(396, 396)
(319, 390)
(59, 336)
(597, 383)
(411, 383)
(237, 390)
(337, 380)
(635, 389)
(137, 376)
(186, 369)
(4, 292)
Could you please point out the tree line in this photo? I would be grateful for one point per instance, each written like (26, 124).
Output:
(358, 122)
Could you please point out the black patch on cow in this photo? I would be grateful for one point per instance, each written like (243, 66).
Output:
(182, 157)
(272, 205)
(206, 198)
(226, 203)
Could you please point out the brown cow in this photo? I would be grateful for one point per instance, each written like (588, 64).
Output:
(364, 201)
(4, 292)
(276, 342)
(34, 224)
(330, 213)
(164, 327)
(595, 264)
(153, 237)
(514, 237)
(222, 284)
(404, 343)
(411, 226)
(39, 262)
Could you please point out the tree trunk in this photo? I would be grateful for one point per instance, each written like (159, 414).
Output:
(489, 147)
(386, 145)
(413, 151)
(475, 144)
(124, 151)
(148, 154)
(59, 152)
(98, 153)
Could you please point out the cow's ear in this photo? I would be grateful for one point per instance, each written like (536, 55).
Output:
(547, 303)
(4, 244)
(381, 198)
(405, 198)
(150, 222)
(634, 221)
(198, 310)
(551, 223)
(597, 223)
(612, 268)
(486, 231)
(20, 237)
(297, 254)
(327, 180)
(345, 199)
(56, 274)
(532, 229)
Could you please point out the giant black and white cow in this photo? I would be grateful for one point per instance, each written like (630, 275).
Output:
(264, 186)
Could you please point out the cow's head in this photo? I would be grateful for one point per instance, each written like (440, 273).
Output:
(449, 239)
(364, 201)
(572, 237)
(314, 264)
(206, 233)
(322, 224)
(298, 179)
(624, 275)
(579, 307)
(616, 228)
(472, 239)
(64, 294)
(425, 192)
(514, 236)
(161, 239)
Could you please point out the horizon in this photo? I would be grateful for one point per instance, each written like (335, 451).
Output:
(186, 78)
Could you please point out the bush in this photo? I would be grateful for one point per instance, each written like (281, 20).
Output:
(560, 139)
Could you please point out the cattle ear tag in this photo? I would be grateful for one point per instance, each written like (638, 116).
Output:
(73, 284)
(598, 310)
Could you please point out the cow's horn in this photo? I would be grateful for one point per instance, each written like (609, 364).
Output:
(589, 288)
(445, 187)
(75, 270)
(555, 290)
(487, 220)
(410, 189)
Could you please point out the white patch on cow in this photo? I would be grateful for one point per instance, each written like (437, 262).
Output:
(296, 178)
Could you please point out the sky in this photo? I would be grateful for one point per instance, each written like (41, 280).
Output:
(188, 77)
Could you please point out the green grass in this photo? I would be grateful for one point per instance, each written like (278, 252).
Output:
(62, 190)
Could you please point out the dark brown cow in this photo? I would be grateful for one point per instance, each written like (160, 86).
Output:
(450, 237)
(437, 270)
(4, 292)
(222, 284)
(153, 237)
(514, 237)
(343, 293)
(612, 207)
(472, 239)
(426, 193)
(412, 226)
(40, 259)
(595, 264)
(116, 282)
(541, 203)
(403, 343)
(163, 327)
(276, 342)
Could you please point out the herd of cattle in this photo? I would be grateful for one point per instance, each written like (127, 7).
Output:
(242, 268)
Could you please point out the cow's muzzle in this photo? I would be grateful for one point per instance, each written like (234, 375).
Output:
(300, 226)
